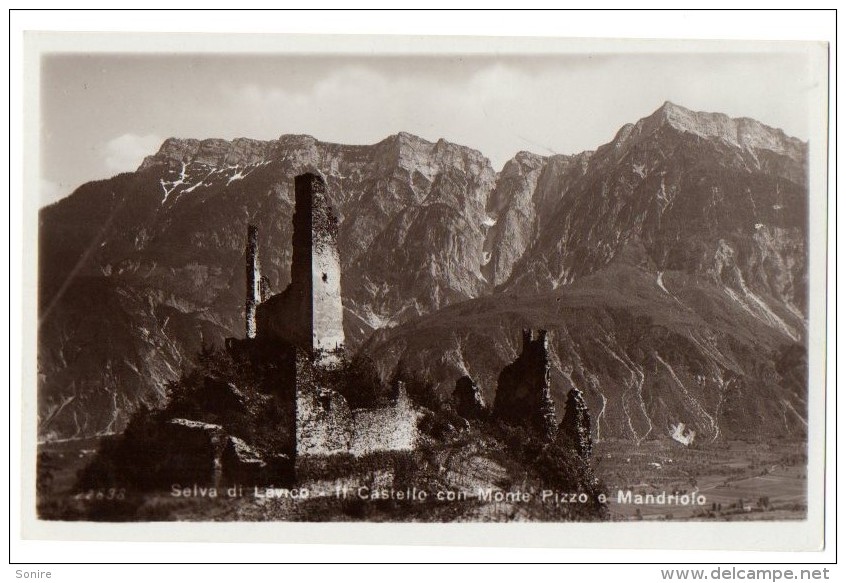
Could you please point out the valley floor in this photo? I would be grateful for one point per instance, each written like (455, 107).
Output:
(738, 480)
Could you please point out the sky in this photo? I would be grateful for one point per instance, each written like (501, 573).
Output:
(102, 113)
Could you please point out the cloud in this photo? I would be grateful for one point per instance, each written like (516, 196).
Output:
(555, 106)
(126, 152)
(354, 104)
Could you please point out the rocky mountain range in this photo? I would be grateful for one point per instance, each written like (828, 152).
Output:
(669, 265)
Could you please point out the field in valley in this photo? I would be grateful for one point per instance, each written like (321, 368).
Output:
(739, 480)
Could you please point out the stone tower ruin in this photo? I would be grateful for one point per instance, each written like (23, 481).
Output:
(301, 331)
(309, 313)
(523, 388)
(254, 291)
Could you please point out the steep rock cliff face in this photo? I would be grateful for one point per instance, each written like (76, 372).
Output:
(527, 193)
(512, 216)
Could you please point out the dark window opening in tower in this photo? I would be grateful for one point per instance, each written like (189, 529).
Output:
(325, 277)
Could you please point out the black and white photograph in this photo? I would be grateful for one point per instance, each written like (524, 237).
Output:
(404, 282)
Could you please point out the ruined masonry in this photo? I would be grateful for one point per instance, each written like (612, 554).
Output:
(522, 394)
(254, 281)
(309, 313)
(308, 318)
(575, 426)
(326, 425)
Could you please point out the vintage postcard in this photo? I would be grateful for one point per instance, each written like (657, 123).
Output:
(411, 290)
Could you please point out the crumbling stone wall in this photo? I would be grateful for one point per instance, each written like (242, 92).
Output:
(392, 428)
(326, 425)
(324, 422)
(323, 417)
(522, 394)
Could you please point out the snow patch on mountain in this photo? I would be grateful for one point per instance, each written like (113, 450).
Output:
(175, 183)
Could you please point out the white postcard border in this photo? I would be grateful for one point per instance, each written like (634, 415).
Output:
(801, 535)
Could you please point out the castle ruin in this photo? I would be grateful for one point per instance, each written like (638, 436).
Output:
(522, 393)
(309, 313)
(575, 428)
(303, 326)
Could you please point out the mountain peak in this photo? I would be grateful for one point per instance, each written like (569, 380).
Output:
(404, 138)
(742, 132)
(669, 106)
(408, 136)
(683, 118)
(211, 152)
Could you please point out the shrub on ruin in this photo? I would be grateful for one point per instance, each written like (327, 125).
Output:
(419, 386)
(221, 394)
(522, 443)
(358, 380)
(557, 465)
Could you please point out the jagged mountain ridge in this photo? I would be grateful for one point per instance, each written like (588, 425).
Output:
(423, 226)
